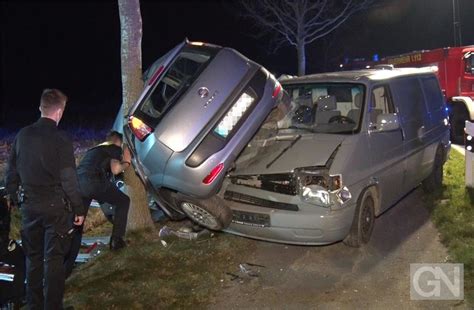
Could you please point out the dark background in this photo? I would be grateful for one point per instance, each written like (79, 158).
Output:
(75, 46)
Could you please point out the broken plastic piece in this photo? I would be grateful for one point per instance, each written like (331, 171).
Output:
(183, 233)
(246, 269)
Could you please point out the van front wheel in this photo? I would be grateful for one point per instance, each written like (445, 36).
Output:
(363, 222)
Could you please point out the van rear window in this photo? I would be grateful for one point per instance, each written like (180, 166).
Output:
(181, 74)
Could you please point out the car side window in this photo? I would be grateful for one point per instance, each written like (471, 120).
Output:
(380, 103)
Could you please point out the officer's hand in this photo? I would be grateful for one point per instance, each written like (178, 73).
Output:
(78, 220)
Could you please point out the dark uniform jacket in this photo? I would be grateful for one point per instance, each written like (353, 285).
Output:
(42, 162)
(96, 162)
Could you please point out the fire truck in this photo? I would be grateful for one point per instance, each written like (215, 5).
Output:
(455, 70)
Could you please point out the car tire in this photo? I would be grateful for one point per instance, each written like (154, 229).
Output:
(363, 222)
(434, 182)
(211, 213)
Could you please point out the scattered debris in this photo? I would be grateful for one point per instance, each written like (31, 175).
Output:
(7, 272)
(94, 247)
(246, 270)
(184, 232)
(88, 241)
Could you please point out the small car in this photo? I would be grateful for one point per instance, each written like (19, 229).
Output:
(338, 151)
(200, 106)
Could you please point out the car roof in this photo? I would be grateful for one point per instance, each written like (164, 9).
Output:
(365, 76)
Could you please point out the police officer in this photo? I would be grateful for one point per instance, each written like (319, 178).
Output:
(42, 162)
(95, 171)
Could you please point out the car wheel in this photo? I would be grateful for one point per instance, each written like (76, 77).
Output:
(434, 182)
(363, 222)
(210, 213)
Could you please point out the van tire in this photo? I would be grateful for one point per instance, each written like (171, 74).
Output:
(434, 182)
(363, 222)
(211, 213)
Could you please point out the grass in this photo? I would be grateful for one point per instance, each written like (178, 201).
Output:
(147, 275)
(452, 212)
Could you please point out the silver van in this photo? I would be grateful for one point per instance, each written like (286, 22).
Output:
(200, 106)
(337, 151)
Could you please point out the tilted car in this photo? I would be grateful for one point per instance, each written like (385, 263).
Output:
(201, 105)
(338, 151)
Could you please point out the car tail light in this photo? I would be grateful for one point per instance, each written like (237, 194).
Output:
(233, 116)
(213, 174)
(156, 75)
(139, 128)
(276, 90)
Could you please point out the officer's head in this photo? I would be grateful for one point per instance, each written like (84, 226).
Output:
(53, 103)
(115, 137)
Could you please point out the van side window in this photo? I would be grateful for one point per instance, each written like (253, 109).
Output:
(433, 95)
(381, 102)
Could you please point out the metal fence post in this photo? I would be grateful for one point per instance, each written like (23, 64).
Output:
(469, 157)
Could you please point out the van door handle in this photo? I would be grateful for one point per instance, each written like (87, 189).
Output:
(421, 132)
(403, 134)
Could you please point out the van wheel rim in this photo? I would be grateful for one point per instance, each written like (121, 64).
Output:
(367, 219)
(199, 215)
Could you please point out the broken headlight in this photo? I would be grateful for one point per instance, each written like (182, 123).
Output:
(316, 186)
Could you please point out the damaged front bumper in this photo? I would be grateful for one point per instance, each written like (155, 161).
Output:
(277, 217)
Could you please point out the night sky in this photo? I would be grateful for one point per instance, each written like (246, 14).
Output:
(74, 46)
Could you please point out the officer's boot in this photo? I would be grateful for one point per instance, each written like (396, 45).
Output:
(117, 243)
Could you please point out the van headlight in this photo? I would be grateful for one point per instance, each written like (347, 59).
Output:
(316, 186)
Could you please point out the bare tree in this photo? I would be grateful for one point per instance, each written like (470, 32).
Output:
(132, 85)
(300, 22)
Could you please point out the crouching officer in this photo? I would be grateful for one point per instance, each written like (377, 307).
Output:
(42, 162)
(95, 171)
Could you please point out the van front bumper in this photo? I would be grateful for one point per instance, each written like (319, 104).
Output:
(309, 225)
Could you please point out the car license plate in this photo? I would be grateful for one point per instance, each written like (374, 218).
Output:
(250, 218)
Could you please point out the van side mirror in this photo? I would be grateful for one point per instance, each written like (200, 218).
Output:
(387, 122)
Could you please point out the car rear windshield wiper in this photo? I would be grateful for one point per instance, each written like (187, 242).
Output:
(284, 150)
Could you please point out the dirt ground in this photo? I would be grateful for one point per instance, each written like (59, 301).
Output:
(340, 277)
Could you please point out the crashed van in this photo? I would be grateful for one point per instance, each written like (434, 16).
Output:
(337, 151)
(200, 106)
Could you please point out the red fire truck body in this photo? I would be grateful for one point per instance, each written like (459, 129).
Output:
(456, 76)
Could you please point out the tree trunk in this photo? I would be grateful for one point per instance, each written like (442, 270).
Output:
(300, 49)
(132, 85)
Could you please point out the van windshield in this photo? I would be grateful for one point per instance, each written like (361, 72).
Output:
(320, 107)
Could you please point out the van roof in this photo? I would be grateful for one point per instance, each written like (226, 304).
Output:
(360, 75)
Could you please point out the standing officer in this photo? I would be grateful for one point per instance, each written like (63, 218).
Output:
(42, 162)
(95, 171)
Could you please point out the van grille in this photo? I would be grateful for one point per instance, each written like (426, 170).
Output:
(255, 201)
(282, 183)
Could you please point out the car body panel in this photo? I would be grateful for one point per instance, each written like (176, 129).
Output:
(220, 78)
(263, 158)
(162, 157)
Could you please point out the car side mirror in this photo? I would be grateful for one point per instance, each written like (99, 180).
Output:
(387, 122)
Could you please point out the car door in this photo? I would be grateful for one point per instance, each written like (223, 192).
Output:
(408, 97)
(386, 147)
(436, 118)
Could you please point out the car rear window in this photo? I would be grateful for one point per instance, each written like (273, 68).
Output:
(181, 74)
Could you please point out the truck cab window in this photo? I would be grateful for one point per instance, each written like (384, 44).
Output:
(469, 61)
